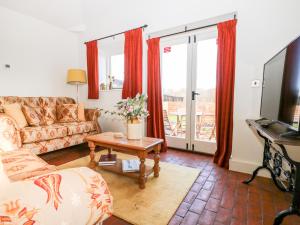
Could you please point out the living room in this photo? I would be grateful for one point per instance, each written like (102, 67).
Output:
(204, 120)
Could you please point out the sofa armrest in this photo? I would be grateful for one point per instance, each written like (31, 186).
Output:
(72, 196)
(10, 137)
(92, 114)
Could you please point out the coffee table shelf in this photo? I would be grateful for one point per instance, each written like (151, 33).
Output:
(117, 168)
(139, 148)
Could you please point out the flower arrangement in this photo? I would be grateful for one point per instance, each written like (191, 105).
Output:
(132, 108)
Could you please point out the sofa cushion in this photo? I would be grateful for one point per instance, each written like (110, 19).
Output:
(14, 111)
(81, 116)
(22, 164)
(33, 115)
(43, 133)
(67, 113)
(80, 127)
(58, 143)
(49, 115)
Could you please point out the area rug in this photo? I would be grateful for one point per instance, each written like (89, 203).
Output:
(154, 205)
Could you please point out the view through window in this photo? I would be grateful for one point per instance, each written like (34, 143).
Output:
(117, 70)
(174, 83)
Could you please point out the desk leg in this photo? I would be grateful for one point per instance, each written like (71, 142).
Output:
(92, 147)
(156, 160)
(295, 206)
(265, 164)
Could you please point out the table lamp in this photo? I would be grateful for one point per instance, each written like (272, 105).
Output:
(76, 76)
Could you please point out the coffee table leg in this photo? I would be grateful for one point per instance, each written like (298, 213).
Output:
(142, 178)
(156, 160)
(92, 147)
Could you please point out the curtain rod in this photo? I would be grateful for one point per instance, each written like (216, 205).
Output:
(112, 35)
(189, 30)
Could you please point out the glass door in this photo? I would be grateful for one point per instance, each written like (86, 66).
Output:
(203, 127)
(188, 68)
(176, 105)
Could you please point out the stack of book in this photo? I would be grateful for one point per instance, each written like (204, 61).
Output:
(107, 160)
(130, 165)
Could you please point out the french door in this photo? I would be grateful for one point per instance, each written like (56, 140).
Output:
(188, 66)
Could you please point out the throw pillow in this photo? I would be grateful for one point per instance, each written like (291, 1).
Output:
(34, 115)
(14, 111)
(81, 116)
(49, 115)
(67, 113)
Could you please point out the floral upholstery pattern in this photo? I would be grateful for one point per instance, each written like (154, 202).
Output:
(73, 196)
(91, 114)
(9, 134)
(33, 115)
(49, 115)
(58, 143)
(67, 113)
(43, 139)
(81, 127)
(43, 133)
(22, 164)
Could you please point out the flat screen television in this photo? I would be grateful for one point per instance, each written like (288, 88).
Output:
(281, 87)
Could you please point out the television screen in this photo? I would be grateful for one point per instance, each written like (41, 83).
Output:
(281, 87)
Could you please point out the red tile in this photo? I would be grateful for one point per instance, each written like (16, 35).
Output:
(197, 206)
(190, 197)
(196, 187)
(207, 218)
(183, 209)
(190, 219)
(224, 215)
(208, 185)
(212, 204)
(204, 194)
(176, 220)
(227, 200)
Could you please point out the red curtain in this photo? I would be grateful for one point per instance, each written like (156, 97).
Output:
(133, 55)
(155, 121)
(92, 69)
(225, 91)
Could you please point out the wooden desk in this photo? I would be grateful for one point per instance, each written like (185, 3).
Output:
(274, 155)
(140, 148)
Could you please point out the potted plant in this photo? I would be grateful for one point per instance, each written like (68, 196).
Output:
(133, 110)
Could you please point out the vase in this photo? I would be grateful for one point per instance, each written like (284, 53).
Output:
(134, 129)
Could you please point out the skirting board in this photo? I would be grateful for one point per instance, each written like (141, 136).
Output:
(246, 167)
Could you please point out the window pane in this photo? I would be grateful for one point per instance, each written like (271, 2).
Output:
(206, 87)
(117, 70)
(174, 76)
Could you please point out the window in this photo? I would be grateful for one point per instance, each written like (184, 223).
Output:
(117, 70)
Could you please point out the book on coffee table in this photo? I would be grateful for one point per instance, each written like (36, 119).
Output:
(130, 165)
(107, 160)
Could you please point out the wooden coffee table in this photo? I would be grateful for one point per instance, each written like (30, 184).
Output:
(139, 148)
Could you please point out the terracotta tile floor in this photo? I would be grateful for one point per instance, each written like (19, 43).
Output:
(216, 198)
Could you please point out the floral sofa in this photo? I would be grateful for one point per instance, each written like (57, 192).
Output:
(44, 139)
(33, 192)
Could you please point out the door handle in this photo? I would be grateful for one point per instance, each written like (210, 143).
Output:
(194, 93)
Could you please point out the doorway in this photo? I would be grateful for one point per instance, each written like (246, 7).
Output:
(188, 65)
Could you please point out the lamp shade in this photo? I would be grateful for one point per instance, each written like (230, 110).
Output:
(76, 76)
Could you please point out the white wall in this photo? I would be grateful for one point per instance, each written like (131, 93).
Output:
(264, 27)
(39, 55)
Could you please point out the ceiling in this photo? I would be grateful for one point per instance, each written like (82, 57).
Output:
(66, 14)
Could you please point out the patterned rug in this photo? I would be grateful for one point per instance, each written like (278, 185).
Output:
(155, 204)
